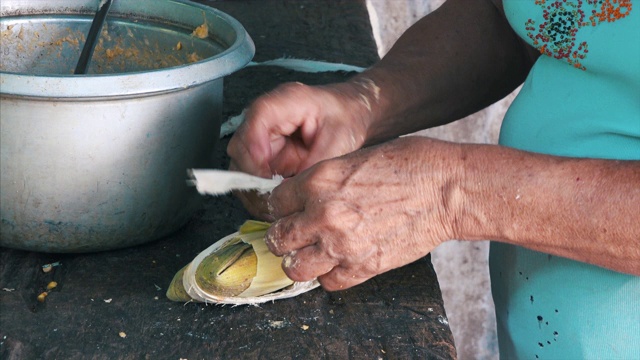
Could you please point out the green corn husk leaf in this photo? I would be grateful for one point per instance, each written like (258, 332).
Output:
(176, 291)
(251, 226)
(238, 269)
(229, 271)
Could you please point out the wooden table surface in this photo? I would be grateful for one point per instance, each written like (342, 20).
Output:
(111, 305)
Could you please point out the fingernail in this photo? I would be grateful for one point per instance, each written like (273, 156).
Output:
(268, 239)
(270, 208)
(271, 238)
(268, 217)
(288, 259)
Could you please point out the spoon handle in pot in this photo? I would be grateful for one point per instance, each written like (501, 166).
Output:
(90, 44)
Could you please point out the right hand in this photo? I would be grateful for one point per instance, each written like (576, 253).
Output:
(350, 218)
(293, 127)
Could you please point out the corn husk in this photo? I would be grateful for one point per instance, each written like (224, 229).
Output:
(269, 283)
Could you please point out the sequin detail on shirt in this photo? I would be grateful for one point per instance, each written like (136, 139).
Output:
(562, 19)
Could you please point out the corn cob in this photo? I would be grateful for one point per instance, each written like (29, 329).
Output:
(238, 269)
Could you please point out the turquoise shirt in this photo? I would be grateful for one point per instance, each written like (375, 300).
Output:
(581, 99)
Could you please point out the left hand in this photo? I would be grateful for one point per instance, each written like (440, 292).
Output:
(294, 127)
(348, 219)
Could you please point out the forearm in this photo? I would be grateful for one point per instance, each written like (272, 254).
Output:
(583, 209)
(457, 60)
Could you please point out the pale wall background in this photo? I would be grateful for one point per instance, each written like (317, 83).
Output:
(462, 267)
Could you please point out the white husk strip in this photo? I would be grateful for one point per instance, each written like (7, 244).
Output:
(218, 182)
(248, 296)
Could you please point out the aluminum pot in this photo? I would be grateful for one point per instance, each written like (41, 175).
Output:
(97, 162)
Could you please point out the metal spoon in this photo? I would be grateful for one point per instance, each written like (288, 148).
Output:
(90, 44)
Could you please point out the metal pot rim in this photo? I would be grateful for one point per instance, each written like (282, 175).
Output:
(235, 57)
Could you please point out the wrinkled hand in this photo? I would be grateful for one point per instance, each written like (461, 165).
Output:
(348, 219)
(292, 128)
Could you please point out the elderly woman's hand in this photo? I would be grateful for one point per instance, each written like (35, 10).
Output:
(292, 128)
(348, 219)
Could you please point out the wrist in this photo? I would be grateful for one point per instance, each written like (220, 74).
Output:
(469, 192)
(437, 171)
(363, 94)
